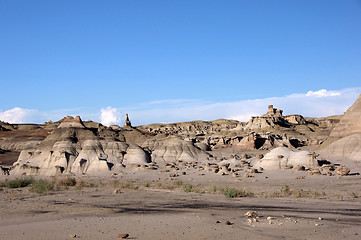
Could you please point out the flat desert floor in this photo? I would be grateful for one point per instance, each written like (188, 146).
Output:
(146, 205)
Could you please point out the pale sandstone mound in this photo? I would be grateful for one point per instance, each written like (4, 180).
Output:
(282, 157)
(135, 155)
(350, 123)
(345, 148)
(174, 149)
(73, 148)
(91, 158)
(345, 139)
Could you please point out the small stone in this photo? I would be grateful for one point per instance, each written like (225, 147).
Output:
(247, 175)
(73, 235)
(228, 223)
(116, 191)
(320, 218)
(342, 170)
(270, 218)
(218, 221)
(251, 214)
(124, 235)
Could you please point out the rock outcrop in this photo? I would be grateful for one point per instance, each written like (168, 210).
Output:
(350, 123)
(173, 149)
(73, 148)
(127, 122)
(344, 141)
(282, 157)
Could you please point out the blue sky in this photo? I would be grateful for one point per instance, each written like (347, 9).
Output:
(155, 58)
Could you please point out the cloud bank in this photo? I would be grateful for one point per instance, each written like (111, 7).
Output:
(319, 103)
(17, 115)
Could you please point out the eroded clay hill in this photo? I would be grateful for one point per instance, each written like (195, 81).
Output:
(345, 139)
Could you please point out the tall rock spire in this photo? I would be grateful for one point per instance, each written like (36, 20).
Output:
(127, 122)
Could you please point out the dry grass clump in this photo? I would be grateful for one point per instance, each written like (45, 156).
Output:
(17, 182)
(65, 182)
(41, 186)
(35, 185)
(354, 195)
(234, 193)
(298, 193)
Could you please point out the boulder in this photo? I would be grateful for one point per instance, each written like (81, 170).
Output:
(342, 170)
(282, 157)
(173, 149)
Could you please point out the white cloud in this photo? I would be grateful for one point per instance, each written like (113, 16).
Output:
(109, 116)
(17, 115)
(323, 93)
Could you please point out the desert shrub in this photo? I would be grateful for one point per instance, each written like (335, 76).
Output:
(354, 195)
(233, 193)
(18, 183)
(188, 188)
(41, 186)
(68, 182)
(298, 193)
(285, 190)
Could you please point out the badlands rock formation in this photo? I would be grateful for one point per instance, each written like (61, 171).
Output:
(280, 158)
(345, 139)
(71, 146)
(74, 148)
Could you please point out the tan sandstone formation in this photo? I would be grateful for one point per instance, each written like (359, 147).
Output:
(173, 149)
(73, 148)
(344, 141)
(282, 157)
(350, 123)
(127, 122)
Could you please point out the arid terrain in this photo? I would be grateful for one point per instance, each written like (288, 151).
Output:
(188, 207)
(273, 177)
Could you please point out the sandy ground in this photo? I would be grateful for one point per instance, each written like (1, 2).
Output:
(159, 213)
